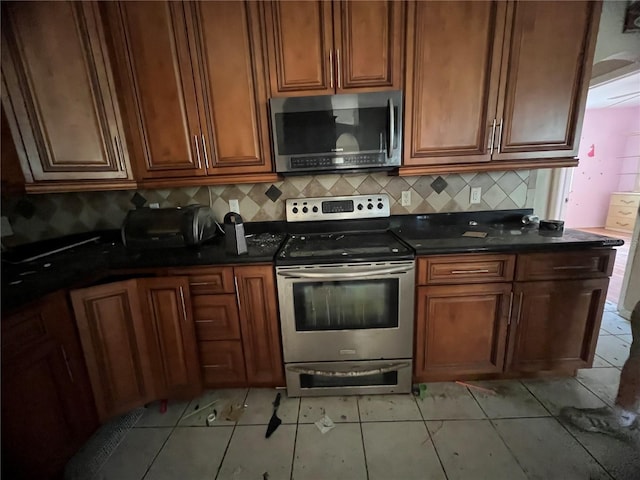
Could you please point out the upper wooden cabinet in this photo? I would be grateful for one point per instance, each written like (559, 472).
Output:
(512, 91)
(194, 88)
(321, 47)
(546, 69)
(59, 96)
(452, 81)
(139, 342)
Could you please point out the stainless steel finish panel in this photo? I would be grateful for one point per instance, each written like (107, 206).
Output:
(404, 367)
(295, 208)
(347, 345)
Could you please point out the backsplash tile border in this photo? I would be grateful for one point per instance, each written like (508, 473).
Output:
(38, 217)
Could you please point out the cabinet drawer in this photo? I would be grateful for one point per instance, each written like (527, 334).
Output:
(624, 224)
(222, 363)
(573, 265)
(622, 211)
(449, 269)
(204, 281)
(216, 317)
(629, 200)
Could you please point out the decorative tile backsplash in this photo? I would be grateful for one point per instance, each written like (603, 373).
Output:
(37, 217)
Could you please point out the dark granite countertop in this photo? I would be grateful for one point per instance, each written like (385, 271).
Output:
(439, 234)
(86, 264)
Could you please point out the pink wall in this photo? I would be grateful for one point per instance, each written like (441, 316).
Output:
(595, 178)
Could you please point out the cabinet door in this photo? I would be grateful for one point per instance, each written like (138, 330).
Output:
(114, 341)
(368, 38)
(452, 80)
(259, 324)
(60, 91)
(152, 51)
(222, 364)
(47, 406)
(545, 76)
(556, 324)
(216, 317)
(173, 342)
(461, 330)
(227, 42)
(300, 47)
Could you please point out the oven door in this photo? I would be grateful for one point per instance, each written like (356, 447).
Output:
(360, 311)
(348, 378)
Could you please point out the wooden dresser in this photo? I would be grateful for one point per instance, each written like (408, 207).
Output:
(623, 211)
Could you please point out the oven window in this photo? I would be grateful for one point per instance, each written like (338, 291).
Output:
(346, 305)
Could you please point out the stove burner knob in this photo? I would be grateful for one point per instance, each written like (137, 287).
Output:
(360, 207)
(294, 209)
(315, 209)
(370, 206)
(305, 209)
(380, 206)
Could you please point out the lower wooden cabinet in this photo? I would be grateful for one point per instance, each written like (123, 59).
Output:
(237, 326)
(260, 325)
(461, 330)
(544, 315)
(222, 363)
(555, 324)
(48, 410)
(139, 342)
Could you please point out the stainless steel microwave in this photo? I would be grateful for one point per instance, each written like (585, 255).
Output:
(337, 133)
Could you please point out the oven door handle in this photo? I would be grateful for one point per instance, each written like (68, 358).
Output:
(358, 373)
(357, 274)
(392, 129)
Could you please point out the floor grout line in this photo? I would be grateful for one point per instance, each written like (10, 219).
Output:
(433, 444)
(226, 449)
(364, 448)
(295, 440)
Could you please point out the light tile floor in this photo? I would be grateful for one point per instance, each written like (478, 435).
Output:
(456, 432)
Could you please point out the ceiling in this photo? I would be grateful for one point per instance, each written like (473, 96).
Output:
(617, 93)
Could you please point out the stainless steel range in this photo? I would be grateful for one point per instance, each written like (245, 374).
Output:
(346, 292)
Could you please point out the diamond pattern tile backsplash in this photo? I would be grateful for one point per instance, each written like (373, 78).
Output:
(37, 217)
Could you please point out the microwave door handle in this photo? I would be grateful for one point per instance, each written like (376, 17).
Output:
(337, 275)
(392, 367)
(392, 129)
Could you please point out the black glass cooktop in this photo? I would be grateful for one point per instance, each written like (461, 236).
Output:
(342, 247)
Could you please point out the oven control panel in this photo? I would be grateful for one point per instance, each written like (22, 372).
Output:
(337, 208)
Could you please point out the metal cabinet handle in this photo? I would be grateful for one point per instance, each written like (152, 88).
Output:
(626, 202)
(572, 267)
(204, 150)
(116, 140)
(457, 272)
(197, 284)
(622, 224)
(195, 140)
(235, 281)
(500, 135)
(521, 295)
(331, 67)
(493, 136)
(184, 305)
(624, 213)
(510, 308)
(66, 361)
(339, 69)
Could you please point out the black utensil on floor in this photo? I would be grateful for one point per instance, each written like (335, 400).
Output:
(275, 421)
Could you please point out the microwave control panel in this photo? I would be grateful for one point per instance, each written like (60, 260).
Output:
(337, 208)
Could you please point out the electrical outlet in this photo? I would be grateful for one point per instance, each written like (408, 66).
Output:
(406, 198)
(234, 206)
(5, 227)
(476, 195)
